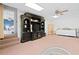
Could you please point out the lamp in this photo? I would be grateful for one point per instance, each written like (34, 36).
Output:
(34, 6)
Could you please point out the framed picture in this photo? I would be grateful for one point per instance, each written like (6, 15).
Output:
(9, 26)
(9, 22)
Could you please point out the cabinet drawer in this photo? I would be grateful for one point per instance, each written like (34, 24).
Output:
(26, 37)
(34, 36)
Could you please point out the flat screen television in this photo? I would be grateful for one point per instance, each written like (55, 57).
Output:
(35, 27)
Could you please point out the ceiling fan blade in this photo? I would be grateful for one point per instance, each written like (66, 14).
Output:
(65, 11)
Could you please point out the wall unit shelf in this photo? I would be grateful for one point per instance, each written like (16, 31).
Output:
(32, 27)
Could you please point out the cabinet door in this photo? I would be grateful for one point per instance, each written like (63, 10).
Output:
(1, 22)
(50, 29)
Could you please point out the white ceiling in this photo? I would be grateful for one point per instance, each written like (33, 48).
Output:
(49, 8)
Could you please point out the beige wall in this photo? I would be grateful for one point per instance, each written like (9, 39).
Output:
(1, 22)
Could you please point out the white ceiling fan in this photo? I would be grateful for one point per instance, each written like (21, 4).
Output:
(59, 13)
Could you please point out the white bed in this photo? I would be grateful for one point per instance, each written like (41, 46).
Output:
(66, 32)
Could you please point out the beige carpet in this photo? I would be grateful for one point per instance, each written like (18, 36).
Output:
(55, 51)
(38, 46)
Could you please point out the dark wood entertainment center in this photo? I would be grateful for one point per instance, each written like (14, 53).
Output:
(32, 27)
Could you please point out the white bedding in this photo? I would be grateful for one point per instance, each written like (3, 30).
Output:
(66, 32)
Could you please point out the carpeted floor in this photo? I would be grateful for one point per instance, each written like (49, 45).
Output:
(37, 47)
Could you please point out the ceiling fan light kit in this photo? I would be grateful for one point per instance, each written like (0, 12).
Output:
(55, 16)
